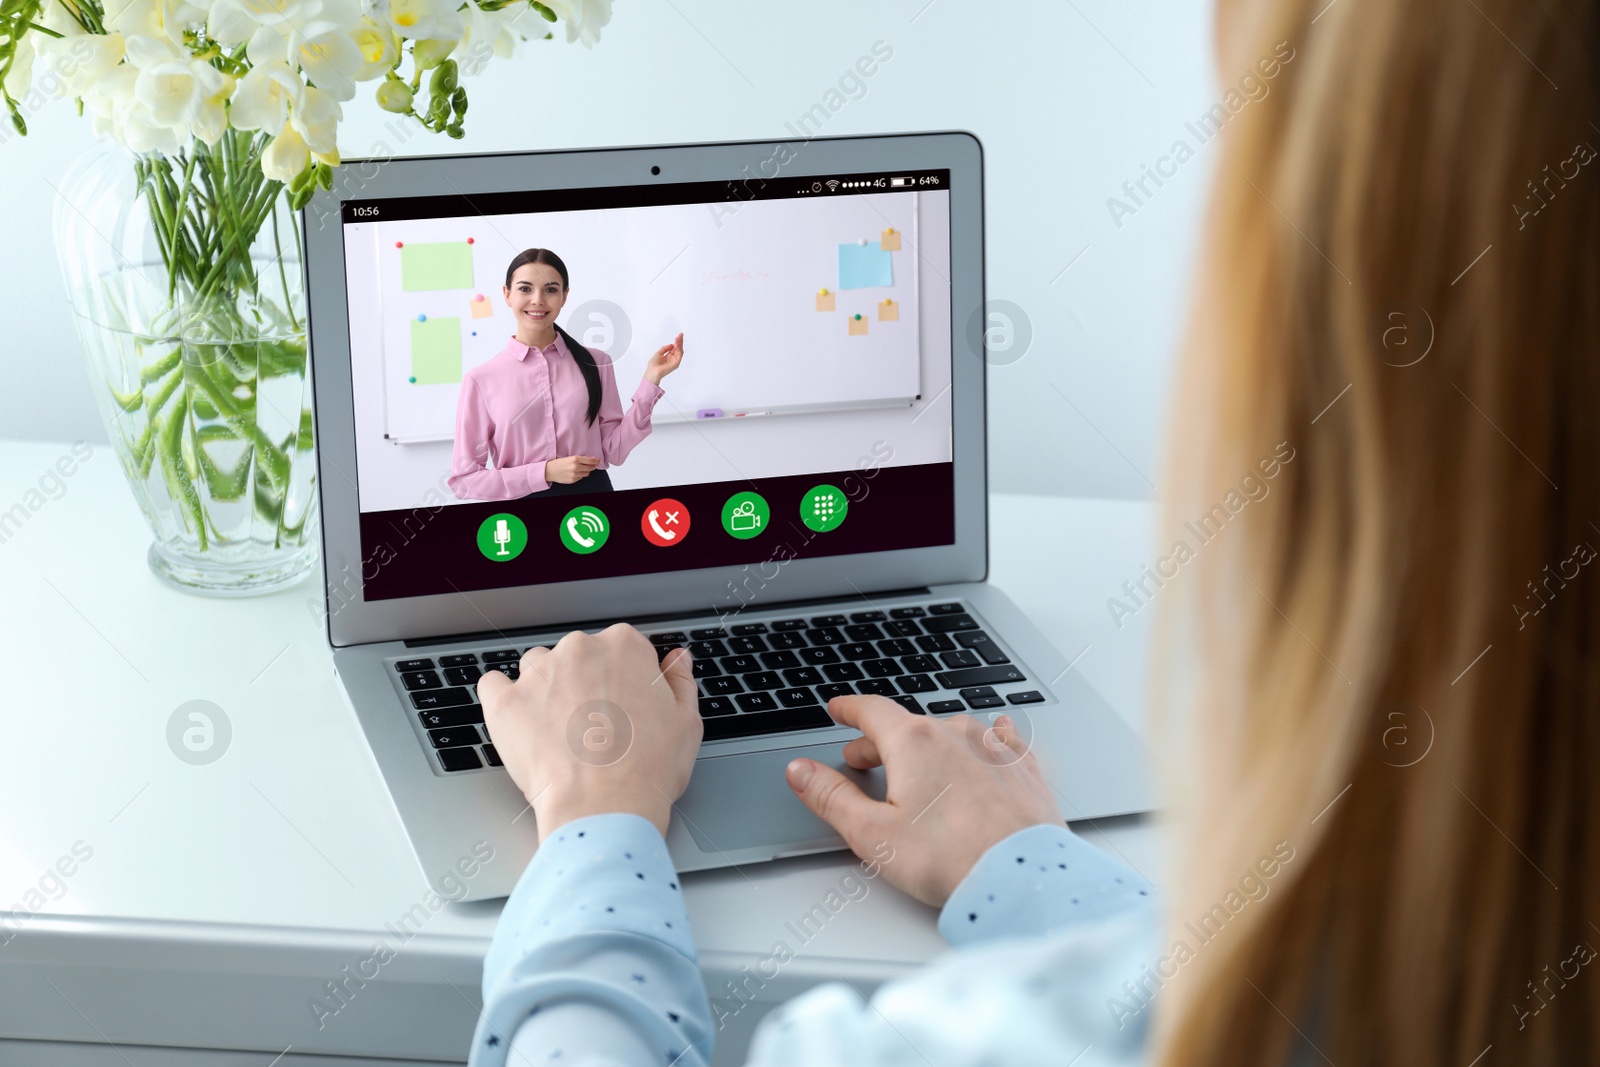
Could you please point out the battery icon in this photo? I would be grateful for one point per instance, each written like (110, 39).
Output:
(896, 183)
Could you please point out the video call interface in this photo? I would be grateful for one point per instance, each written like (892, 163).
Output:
(564, 385)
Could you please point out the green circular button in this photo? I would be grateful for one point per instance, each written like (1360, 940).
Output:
(745, 515)
(502, 537)
(585, 530)
(824, 508)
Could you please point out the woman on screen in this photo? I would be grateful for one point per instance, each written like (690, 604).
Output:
(545, 410)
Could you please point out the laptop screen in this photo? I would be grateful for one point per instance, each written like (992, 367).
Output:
(505, 351)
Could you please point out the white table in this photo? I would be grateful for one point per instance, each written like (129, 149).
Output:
(219, 899)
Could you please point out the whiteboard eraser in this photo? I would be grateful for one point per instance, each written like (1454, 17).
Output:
(708, 413)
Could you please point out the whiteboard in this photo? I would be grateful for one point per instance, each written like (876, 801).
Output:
(739, 280)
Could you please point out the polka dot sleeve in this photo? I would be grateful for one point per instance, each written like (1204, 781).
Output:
(593, 962)
(1079, 996)
(1038, 880)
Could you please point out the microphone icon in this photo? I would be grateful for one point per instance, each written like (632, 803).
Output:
(502, 536)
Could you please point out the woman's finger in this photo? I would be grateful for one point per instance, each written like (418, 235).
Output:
(492, 688)
(876, 717)
(677, 667)
(862, 754)
(531, 663)
(999, 739)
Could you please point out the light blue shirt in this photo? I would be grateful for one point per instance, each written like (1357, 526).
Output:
(593, 965)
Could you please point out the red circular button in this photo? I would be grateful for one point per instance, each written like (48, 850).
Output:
(665, 523)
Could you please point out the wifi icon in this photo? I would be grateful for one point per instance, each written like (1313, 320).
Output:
(585, 530)
(832, 185)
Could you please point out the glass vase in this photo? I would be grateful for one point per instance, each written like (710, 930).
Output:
(184, 277)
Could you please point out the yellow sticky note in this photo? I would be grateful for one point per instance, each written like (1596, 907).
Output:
(858, 326)
(824, 300)
(890, 241)
(481, 308)
(888, 311)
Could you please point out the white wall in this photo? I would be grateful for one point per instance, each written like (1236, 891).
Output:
(1070, 99)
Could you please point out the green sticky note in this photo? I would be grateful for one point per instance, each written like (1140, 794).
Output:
(445, 265)
(436, 351)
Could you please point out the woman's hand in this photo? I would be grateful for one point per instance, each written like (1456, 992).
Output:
(595, 726)
(569, 469)
(994, 785)
(666, 360)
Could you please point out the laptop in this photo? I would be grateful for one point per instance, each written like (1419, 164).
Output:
(807, 513)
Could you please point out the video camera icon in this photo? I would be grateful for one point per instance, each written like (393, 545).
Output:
(745, 515)
(745, 518)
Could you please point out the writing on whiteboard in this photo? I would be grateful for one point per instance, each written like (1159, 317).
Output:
(710, 276)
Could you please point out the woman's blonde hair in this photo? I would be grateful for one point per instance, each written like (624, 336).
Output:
(1386, 806)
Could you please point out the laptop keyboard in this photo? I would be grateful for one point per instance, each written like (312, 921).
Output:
(760, 678)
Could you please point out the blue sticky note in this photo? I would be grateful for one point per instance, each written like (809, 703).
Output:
(861, 266)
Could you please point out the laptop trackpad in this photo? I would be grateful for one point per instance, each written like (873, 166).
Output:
(744, 801)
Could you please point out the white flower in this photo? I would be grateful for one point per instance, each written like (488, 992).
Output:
(163, 19)
(316, 119)
(159, 98)
(143, 84)
(80, 60)
(233, 21)
(112, 91)
(317, 40)
(58, 18)
(380, 49)
(19, 79)
(307, 134)
(285, 156)
(524, 24)
(583, 18)
(186, 94)
(211, 116)
(488, 34)
(264, 97)
(477, 39)
(434, 20)
(118, 113)
(332, 61)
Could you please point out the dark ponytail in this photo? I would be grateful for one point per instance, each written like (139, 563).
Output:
(580, 355)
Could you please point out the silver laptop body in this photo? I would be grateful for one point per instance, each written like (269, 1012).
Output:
(917, 623)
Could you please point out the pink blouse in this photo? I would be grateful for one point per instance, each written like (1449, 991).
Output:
(527, 406)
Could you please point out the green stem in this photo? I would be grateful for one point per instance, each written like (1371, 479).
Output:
(88, 15)
(177, 219)
(161, 367)
(143, 449)
(180, 485)
(207, 206)
(283, 277)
